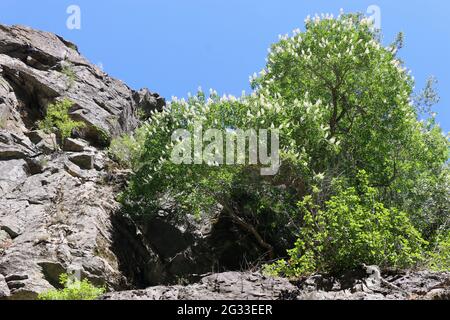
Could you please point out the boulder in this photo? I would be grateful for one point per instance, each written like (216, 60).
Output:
(148, 102)
(83, 160)
(74, 145)
(14, 146)
(47, 143)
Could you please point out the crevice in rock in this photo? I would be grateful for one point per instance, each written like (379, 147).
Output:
(31, 56)
(155, 252)
(32, 101)
(132, 254)
(51, 272)
(12, 234)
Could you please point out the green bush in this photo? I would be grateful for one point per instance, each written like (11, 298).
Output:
(439, 257)
(57, 119)
(126, 149)
(73, 290)
(68, 71)
(352, 229)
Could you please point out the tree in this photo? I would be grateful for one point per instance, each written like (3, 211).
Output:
(352, 228)
(341, 103)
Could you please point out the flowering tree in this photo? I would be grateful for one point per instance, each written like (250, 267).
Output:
(342, 105)
(367, 107)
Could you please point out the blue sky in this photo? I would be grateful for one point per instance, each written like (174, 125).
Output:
(174, 46)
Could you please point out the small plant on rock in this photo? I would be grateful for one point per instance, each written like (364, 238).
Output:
(73, 290)
(68, 71)
(58, 120)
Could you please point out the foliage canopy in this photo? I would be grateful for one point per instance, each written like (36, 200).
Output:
(362, 180)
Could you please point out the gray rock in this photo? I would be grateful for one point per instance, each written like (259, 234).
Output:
(74, 170)
(74, 145)
(14, 146)
(55, 221)
(254, 286)
(47, 143)
(83, 160)
(148, 102)
(222, 286)
(54, 216)
(4, 289)
(12, 173)
(4, 237)
(52, 69)
(394, 285)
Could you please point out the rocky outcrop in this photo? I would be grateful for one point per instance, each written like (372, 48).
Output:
(149, 102)
(366, 284)
(37, 68)
(222, 286)
(371, 284)
(173, 246)
(58, 200)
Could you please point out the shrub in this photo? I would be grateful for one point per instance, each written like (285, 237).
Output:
(126, 149)
(58, 120)
(439, 257)
(73, 290)
(68, 71)
(352, 229)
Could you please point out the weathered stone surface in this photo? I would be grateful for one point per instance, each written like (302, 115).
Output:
(13, 146)
(376, 286)
(222, 286)
(422, 285)
(48, 68)
(57, 221)
(148, 102)
(4, 289)
(12, 172)
(74, 145)
(83, 160)
(55, 216)
(47, 143)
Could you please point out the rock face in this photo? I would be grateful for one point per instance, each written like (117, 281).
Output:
(57, 208)
(173, 247)
(359, 285)
(371, 284)
(222, 286)
(37, 68)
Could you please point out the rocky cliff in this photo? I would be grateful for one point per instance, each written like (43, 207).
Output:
(57, 202)
(364, 284)
(58, 208)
